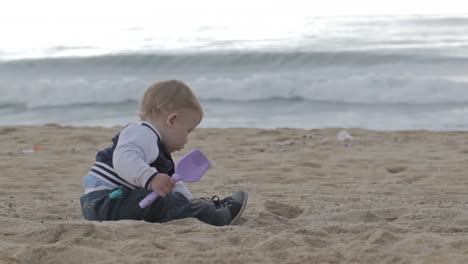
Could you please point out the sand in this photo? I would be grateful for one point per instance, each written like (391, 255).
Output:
(385, 197)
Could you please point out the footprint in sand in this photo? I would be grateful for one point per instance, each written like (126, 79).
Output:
(415, 178)
(8, 130)
(356, 216)
(283, 210)
(395, 170)
(312, 165)
(380, 237)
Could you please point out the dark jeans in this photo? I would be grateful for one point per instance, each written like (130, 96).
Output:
(99, 206)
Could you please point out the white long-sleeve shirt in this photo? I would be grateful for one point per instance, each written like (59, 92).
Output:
(136, 148)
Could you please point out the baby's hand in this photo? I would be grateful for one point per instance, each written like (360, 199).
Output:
(162, 184)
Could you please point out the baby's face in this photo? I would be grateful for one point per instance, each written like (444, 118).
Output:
(177, 135)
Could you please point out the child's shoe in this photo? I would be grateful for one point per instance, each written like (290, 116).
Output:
(235, 203)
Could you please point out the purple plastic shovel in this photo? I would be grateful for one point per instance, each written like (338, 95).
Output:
(190, 168)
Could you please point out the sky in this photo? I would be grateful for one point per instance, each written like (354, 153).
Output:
(22, 11)
(34, 25)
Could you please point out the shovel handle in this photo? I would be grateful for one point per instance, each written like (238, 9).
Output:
(148, 199)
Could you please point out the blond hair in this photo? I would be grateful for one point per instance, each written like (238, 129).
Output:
(166, 96)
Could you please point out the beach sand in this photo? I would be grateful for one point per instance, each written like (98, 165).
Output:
(385, 197)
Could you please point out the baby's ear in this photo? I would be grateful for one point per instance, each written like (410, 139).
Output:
(171, 118)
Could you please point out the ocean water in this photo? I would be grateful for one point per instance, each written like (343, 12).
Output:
(373, 72)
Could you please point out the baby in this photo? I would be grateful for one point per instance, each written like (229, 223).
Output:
(139, 162)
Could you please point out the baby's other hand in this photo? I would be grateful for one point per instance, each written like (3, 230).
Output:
(162, 184)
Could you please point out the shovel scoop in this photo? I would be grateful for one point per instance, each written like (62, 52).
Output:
(190, 168)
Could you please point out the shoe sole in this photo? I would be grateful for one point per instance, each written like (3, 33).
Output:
(244, 203)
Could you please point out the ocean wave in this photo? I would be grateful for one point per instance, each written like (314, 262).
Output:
(343, 77)
(367, 88)
(437, 21)
(219, 60)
